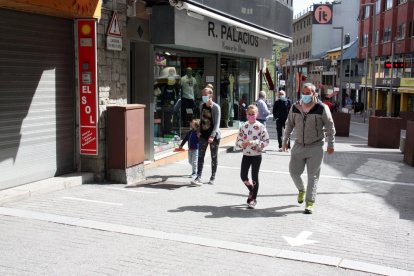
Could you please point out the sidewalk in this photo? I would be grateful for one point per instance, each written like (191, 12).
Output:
(363, 222)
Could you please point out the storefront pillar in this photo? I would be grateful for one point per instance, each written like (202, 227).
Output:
(404, 102)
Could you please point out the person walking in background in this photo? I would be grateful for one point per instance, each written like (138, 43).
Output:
(262, 108)
(311, 119)
(193, 143)
(253, 138)
(209, 134)
(281, 109)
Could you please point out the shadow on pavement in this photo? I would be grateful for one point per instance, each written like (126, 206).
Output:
(162, 182)
(237, 211)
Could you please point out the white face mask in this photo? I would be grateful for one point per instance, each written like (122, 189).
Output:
(205, 98)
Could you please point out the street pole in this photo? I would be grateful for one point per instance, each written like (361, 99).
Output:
(389, 100)
(291, 77)
(276, 84)
(374, 38)
(349, 79)
(342, 64)
(366, 80)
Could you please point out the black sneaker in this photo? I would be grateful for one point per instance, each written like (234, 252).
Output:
(250, 197)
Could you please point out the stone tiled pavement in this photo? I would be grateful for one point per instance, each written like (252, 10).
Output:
(364, 212)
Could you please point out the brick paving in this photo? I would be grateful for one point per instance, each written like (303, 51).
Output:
(364, 212)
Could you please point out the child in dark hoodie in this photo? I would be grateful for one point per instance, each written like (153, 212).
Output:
(193, 144)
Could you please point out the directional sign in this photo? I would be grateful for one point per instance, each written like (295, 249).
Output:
(114, 28)
(301, 239)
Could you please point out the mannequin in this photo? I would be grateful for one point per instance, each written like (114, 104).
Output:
(168, 94)
(188, 83)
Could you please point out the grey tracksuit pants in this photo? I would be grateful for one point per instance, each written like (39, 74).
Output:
(311, 156)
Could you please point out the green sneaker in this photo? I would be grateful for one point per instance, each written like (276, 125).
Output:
(301, 196)
(309, 207)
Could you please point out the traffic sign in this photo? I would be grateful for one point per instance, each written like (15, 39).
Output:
(114, 28)
(322, 14)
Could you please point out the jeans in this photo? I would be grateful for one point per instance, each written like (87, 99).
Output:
(193, 159)
(202, 152)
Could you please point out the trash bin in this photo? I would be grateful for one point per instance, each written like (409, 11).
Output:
(125, 143)
(342, 123)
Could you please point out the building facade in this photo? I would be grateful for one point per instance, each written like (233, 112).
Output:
(391, 38)
(64, 63)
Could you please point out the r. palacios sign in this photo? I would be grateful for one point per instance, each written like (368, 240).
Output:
(210, 34)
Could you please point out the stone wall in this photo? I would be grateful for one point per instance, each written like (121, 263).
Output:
(112, 73)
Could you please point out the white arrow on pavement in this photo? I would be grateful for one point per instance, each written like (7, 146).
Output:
(301, 239)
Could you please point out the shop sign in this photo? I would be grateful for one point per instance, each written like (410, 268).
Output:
(88, 111)
(322, 14)
(395, 82)
(114, 36)
(214, 35)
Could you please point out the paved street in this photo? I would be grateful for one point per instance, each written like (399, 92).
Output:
(363, 222)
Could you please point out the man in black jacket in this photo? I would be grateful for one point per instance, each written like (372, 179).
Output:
(281, 109)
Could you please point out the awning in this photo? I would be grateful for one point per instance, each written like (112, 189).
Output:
(232, 22)
(406, 89)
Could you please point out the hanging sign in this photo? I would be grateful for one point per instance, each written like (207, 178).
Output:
(113, 35)
(88, 103)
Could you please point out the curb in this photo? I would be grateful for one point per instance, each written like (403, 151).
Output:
(62, 182)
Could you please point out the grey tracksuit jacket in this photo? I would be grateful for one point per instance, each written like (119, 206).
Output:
(310, 128)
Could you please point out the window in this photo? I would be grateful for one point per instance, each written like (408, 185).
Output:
(376, 37)
(401, 2)
(411, 29)
(388, 4)
(366, 12)
(365, 40)
(401, 31)
(377, 6)
(387, 34)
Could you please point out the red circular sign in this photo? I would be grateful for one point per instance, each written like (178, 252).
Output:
(322, 14)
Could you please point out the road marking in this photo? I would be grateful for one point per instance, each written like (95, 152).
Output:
(208, 242)
(301, 239)
(129, 190)
(94, 201)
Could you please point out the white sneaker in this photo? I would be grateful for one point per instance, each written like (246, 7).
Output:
(252, 204)
(196, 181)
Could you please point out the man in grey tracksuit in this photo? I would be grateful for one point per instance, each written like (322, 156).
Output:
(312, 121)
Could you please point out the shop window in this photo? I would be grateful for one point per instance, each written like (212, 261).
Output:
(177, 84)
(236, 90)
(400, 2)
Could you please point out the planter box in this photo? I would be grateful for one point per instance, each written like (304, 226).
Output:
(342, 122)
(409, 144)
(384, 132)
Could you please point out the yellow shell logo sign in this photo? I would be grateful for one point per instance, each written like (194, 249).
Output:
(86, 29)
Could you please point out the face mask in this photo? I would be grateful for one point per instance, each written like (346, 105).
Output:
(306, 99)
(205, 99)
(282, 98)
(251, 118)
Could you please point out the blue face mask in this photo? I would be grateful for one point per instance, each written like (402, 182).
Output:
(306, 99)
(205, 98)
(283, 98)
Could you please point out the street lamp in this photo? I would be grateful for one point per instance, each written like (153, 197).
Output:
(341, 67)
(374, 37)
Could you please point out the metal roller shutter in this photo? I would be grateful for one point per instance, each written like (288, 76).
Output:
(36, 97)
